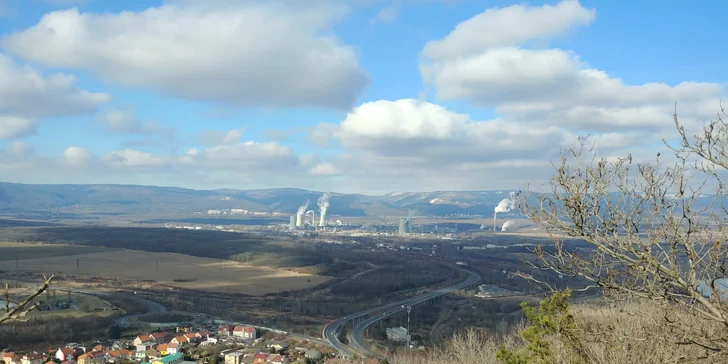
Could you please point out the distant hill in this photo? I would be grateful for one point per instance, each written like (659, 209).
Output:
(80, 200)
(76, 201)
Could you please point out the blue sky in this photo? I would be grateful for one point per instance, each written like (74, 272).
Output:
(335, 94)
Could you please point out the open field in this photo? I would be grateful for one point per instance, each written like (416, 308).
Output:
(80, 305)
(177, 270)
(21, 251)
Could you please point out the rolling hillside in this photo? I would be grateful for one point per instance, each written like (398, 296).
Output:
(80, 200)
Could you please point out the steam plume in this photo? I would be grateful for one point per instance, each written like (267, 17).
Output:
(506, 225)
(323, 204)
(506, 204)
(299, 214)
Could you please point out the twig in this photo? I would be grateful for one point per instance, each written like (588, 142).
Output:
(12, 312)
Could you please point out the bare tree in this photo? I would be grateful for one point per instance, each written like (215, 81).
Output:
(22, 308)
(654, 231)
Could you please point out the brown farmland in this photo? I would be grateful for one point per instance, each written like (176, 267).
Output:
(177, 270)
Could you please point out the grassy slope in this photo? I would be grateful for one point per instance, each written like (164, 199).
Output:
(624, 334)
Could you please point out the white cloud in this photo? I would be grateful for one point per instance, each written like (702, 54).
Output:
(509, 26)
(18, 148)
(487, 60)
(14, 127)
(25, 92)
(134, 158)
(248, 54)
(213, 137)
(386, 15)
(76, 156)
(324, 169)
(124, 121)
(424, 133)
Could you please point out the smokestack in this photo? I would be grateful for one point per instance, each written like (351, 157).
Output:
(299, 214)
(323, 204)
(408, 221)
(507, 204)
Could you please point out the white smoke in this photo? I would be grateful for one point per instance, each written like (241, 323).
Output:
(506, 225)
(323, 204)
(313, 216)
(506, 204)
(299, 214)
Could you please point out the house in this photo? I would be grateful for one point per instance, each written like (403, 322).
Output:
(10, 358)
(118, 345)
(204, 334)
(142, 339)
(277, 359)
(209, 341)
(190, 337)
(97, 357)
(66, 354)
(153, 354)
(245, 332)
(278, 345)
(31, 358)
(159, 337)
(260, 358)
(168, 349)
(98, 348)
(141, 349)
(235, 357)
(180, 340)
(225, 331)
(115, 355)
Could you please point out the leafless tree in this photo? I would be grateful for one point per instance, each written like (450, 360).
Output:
(23, 307)
(656, 230)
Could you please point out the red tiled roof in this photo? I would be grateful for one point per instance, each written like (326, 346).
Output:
(68, 351)
(261, 356)
(249, 329)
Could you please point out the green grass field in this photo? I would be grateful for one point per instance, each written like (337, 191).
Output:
(21, 251)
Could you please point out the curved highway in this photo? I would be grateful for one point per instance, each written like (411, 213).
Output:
(333, 330)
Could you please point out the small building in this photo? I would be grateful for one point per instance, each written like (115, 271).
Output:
(245, 332)
(142, 339)
(225, 330)
(31, 358)
(235, 357)
(10, 358)
(65, 354)
(397, 334)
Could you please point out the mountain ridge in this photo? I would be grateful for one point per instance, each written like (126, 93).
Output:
(135, 199)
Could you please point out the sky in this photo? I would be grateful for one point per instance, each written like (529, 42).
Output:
(353, 96)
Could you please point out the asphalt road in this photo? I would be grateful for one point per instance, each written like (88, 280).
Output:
(358, 346)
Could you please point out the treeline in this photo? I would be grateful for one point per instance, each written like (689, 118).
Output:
(40, 331)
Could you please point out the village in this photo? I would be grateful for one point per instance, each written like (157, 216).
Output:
(227, 344)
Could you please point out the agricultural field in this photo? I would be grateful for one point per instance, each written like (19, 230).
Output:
(21, 251)
(172, 269)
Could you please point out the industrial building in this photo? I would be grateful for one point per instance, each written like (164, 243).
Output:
(397, 333)
(292, 223)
